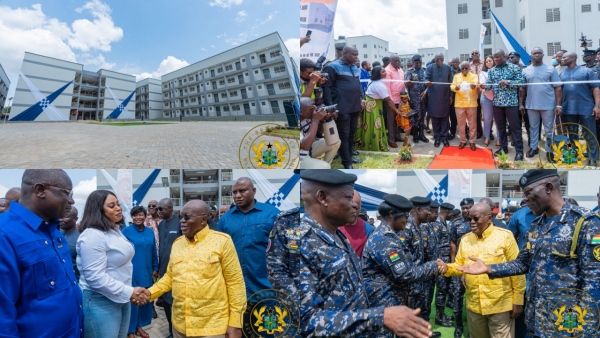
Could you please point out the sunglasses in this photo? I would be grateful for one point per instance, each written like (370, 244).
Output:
(151, 206)
(475, 218)
(161, 208)
(187, 217)
(476, 53)
(467, 68)
(67, 191)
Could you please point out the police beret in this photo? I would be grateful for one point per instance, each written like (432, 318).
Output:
(588, 52)
(455, 212)
(434, 204)
(420, 201)
(330, 177)
(535, 175)
(416, 58)
(213, 208)
(598, 50)
(340, 45)
(386, 58)
(447, 206)
(514, 54)
(466, 201)
(512, 208)
(397, 201)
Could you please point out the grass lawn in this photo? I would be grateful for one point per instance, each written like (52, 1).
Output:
(127, 124)
(448, 332)
(385, 161)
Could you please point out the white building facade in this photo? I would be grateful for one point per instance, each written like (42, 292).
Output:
(64, 91)
(370, 48)
(255, 78)
(148, 99)
(4, 85)
(550, 24)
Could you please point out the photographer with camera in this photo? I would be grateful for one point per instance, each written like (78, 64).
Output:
(311, 119)
(311, 80)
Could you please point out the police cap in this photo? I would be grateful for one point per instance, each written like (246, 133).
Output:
(340, 45)
(455, 212)
(466, 201)
(535, 175)
(434, 204)
(514, 54)
(420, 201)
(416, 58)
(589, 52)
(329, 177)
(447, 206)
(398, 202)
(386, 58)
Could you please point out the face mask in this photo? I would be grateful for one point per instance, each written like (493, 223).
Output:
(555, 62)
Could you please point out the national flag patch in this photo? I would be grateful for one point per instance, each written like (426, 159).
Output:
(425, 238)
(394, 256)
(293, 246)
(596, 239)
(402, 239)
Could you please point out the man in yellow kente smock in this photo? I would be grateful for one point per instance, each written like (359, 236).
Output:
(204, 273)
(492, 304)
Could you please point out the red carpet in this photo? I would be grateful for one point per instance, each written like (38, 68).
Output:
(454, 158)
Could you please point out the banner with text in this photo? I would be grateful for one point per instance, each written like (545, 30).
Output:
(316, 17)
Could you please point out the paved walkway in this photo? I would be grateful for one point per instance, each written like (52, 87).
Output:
(159, 328)
(75, 145)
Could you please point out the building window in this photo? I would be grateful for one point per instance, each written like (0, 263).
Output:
(252, 57)
(225, 108)
(259, 87)
(221, 82)
(364, 45)
(256, 71)
(586, 8)
(553, 48)
(284, 85)
(462, 9)
(275, 53)
(279, 69)
(228, 67)
(264, 104)
(224, 95)
(235, 107)
(219, 70)
(463, 33)
(498, 3)
(464, 57)
(522, 24)
(233, 93)
(231, 80)
(552, 15)
(366, 56)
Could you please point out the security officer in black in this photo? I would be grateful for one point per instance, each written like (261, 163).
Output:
(443, 283)
(460, 227)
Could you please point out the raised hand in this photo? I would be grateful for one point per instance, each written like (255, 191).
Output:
(442, 267)
(477, 268)
(404, 322)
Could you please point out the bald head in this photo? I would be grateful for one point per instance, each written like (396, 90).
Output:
(13, 194)
(487, 201)
(480, 208)
(197, 206)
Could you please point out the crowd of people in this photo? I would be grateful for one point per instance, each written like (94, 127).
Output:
(99, 278)
(463, 99)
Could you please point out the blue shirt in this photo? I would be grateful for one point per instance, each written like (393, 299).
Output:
(145, 259)
(364, 75)
(250, 234)
(519, 224)
(577, 97)
(39, 294)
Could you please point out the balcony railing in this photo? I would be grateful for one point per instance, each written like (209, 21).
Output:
(487, 40)
(271, 91)
(485, 14)
(176, 202)
(226, 200)
(174, 178)
(226, 176)
(492, 191)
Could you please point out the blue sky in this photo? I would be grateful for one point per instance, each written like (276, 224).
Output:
(84, 182)
(144, 38)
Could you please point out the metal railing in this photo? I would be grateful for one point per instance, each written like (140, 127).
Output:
(226, 200)
(174, 178)
(176, 202)
(492, 191)
(226, 176)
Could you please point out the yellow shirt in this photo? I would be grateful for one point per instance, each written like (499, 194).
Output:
(208, 287)
(484, 295)
(462, 99)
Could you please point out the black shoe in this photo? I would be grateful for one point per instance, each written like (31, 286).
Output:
(550, 157)
(499, 151)
(348, 166)
(449, 318)
(479, 134)
(451, 137)
(443, 322)
(532, 152)
(436, 143)
(356, 160)
(519, 157)
(458, 332)
(436, 334)
(512, 144)
(446, 143)
(355, 152)
(415, 140)
(154, 315)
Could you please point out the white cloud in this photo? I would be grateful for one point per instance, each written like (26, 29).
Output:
(241, 16)
(82, 190)
(406, 28)
(167, 65)
(293, 46)
(270, 17)
(98, 61)
(239, 39)
(203, 49)
(97, 34)
(225, 3)
(379, 179)
(29, 29)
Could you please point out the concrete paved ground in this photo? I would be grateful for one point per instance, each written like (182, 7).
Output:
(72, 145)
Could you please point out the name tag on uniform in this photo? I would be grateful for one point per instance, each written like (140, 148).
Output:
(173, 232)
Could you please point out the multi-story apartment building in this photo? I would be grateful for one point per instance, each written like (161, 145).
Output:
(67, 92)
(255, 78)
(550, 24)
(148, 99)
(4, 86)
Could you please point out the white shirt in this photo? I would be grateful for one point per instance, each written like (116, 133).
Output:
(377, 90)
(104, 261)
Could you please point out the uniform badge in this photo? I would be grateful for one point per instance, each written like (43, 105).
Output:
(394, 256)
(569, 313)
(523, 181)
(293, 245)
(595, 239)
(402, 239)
(596, 252)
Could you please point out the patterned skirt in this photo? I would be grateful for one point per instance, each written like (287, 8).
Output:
(371, 134)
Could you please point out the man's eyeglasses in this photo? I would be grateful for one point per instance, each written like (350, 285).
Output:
(467, 68)
(151, 206)
(67, 191)
(187, 217)
(475, 218)
(475, 53)
(161, 208)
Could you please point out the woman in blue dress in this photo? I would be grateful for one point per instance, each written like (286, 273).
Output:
(145, 268)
